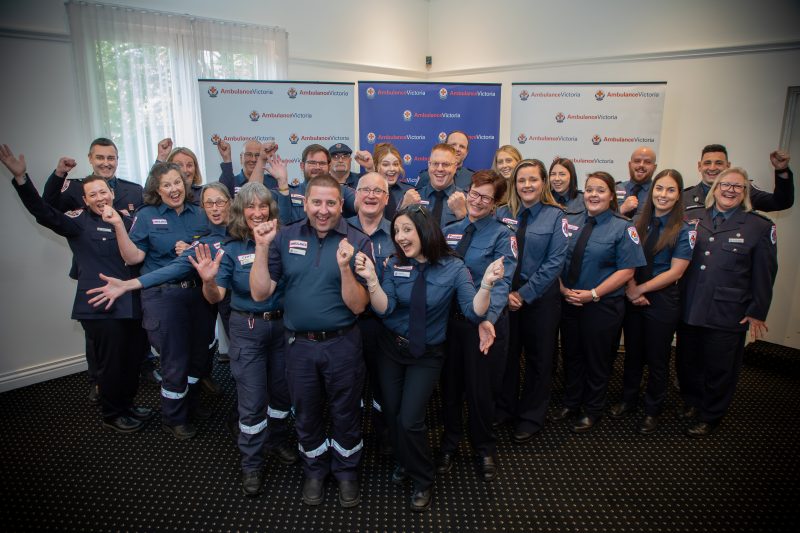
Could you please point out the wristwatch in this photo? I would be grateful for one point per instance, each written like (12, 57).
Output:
(595, 297)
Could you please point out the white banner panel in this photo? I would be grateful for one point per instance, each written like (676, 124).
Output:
(596, 125)
(291, 113)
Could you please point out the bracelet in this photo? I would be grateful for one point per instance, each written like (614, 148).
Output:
(283, 189)
(487, 286)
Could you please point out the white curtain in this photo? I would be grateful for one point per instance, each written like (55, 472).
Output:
(138, 73)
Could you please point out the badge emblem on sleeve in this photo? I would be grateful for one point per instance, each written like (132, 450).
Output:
(633, 234)
(692, 238)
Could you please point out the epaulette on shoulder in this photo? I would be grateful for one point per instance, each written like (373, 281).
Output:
(129, 182)
(762, 215)
(571, 212)
(229, 240)
(695, 207)
(620, 215)
(75, 213)
(452, 223)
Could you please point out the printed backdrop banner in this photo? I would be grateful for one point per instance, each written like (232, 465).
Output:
(291, 113)
(596, 125)
(416, 116)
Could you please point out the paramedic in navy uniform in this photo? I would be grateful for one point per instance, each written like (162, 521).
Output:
(178, 320)
(252, 151)
(564, 185)
(386, 161)
(632, 194)
(459, 141)
(113, 332)
(480, 239)
(414, 298)
(726, 291)
(441, 197)
(603, 253)
(534, 300)
(653, 308)
(314, 259)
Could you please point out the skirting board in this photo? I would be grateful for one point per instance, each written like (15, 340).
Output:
(43, 372)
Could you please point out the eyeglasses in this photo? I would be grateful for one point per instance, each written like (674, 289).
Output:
(340, 157)
(367, 191)
(484, 199)
(413, 208)
(251, 155)
(315, 163)
(440, 164)
(735, 187)
(208, 204)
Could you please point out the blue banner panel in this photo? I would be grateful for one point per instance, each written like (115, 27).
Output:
(416, 116)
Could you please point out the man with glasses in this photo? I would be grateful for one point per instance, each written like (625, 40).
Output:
(714, 159)
(341, 160)
(462, 175)
(441, 196)
(249, 157)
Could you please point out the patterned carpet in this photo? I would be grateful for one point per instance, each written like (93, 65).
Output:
(61, 470)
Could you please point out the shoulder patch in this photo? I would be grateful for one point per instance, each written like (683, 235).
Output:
(565, 226)
(75, 213)
(66, 185)
(633, 234)
(773, 234)
(692, 238)
(514, 247)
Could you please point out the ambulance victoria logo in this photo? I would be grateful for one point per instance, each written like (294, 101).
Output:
(215, 139)
(371, 137)
(523, 95)
(370, 92)
(596, 140)
(442, 136)
(443, 93)
(213, 92)
(292, 92)
(254, 116)
(293, 138)
(407, 115)
(407, 159)
(521, 138)
(599, 95)
(560, 118)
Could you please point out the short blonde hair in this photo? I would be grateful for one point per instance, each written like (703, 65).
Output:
(710, 200)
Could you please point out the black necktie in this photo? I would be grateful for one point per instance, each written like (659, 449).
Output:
(645, 273)
(466, 239)
(416, 318)
(516, 281)
(577, 255)
(635, 190)
(391, 206)
(437, 209)
(719, 219)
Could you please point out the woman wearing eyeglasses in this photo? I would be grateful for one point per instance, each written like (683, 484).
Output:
(727, 290)
(480, 239)
(564, 185)
(414, 299)
(604, 251)
(534, 301)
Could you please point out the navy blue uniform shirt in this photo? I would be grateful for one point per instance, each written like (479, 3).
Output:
(234, 276)
(684, 246)
(157, 228)
(450, 277)
(545, 250)
(234, 183)
(313, 300)
(427, 197)
(382, 245)
(94, 246)
(180, 268)
(573, 205)
(491, 240)
(625, 189)
(614, 245)
(67, 194)
(291, 206)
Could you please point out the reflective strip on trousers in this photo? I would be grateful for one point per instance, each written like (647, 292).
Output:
(174, 395)
(346, 453)
(316, 452)
(253, 430)
(275, 413)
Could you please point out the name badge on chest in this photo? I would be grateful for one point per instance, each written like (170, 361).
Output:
(246, 259)
(298, 247)
(159, 221)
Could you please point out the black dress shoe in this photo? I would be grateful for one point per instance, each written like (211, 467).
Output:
(399, 475)
(563, 413)
(143, 414)
(201, 412)
(123, 424)
(349, 495)
(181, 431)
(94, 394)
(620, 410)
(648, 425)
(584, 425)
(521, 436)
(421, 500)
(284, 453)
(501, 421)
(209, 386)
(687, 412)
(252, 482)
(444, 463)
(488, 468)
(700, 429)
(312, 491)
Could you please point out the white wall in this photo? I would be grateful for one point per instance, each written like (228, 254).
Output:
(716, 93)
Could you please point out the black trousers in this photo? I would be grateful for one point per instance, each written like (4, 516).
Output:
(709, 361)
(590, 334)
(648, 341)
(371, 328)
(117, 346)
(407, 384)
(470, 374)
(534, 334)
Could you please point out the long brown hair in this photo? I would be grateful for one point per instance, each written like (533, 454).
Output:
(514, 201)
(670, 232)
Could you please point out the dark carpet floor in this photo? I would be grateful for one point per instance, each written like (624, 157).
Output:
(60, 470)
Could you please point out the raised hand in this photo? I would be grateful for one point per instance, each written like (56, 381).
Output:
(365, 268)
(629, 205)
(65, 164)
(458, 204)
(204, 264)
(494, 271)
(277, 167)
(410, 197)
(164, 149)
(15, 165)
(111, 216)
(264, 233)
(364, 158)
(224, 149)
(779, 159)
(345, 253)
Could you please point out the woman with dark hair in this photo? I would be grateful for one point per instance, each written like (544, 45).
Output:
(480, 239)
(534, 301)
(177, 318)
(414, 300)
(603, 253)
(564, 185)
(727, 290)
(653, 306)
